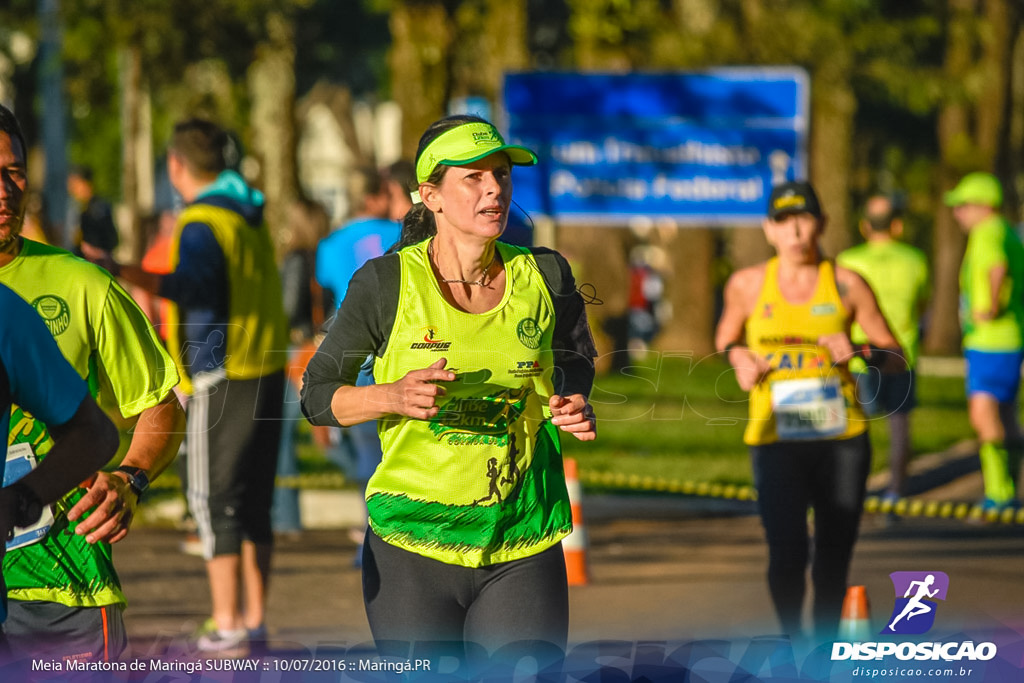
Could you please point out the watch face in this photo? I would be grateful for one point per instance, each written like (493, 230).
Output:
(29, 508)
(137, 478)
(33, 511)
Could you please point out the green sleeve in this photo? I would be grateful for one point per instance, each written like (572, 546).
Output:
(572, 344)
(130, 358)
(361, 327)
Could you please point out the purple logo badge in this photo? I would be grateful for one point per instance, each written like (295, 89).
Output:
(916, 593)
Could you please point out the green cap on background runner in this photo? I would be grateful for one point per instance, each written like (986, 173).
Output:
(976, 188)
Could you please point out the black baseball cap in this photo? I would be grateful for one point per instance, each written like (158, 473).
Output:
(795, 196)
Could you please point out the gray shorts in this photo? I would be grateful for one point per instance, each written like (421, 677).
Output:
(883, 394)
(49, 630)
(232, 437)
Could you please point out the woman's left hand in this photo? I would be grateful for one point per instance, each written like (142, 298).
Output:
(575, 415)
(839, 346)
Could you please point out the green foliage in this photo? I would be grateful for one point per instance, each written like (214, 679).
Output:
(172, 39)
(343, 42)
(891, 54)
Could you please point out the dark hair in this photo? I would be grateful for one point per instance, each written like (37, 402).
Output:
(419, 223)
(402, 172)
(82, 171)
(202, 145)
(308, 223)
(882, 221)
(364, 181)
(9, 124)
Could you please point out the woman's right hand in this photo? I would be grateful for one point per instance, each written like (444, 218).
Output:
(415, 395)
(750, 368)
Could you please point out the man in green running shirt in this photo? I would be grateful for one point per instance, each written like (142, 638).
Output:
(898, 275)
(64, 596)
(992, 319)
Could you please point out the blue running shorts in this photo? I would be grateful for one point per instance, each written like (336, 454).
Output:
(996, 373)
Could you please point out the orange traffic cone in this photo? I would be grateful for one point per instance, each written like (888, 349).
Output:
(855, 624)
(575, 544)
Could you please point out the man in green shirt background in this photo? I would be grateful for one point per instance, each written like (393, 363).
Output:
(898, 275)
(992, 319)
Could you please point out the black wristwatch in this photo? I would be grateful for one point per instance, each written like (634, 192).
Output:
(138, 480)
(27, 506)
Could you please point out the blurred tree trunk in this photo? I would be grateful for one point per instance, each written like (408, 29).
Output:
(420, 60)
(692, 327)
(490, 40)
(979, 55)
(54, 126)
(271, 82)
(943, 335)
(833, 102)
(996, 50)
(995, 114)
(1015, 162)
(833, 107)
(131, 106)
(442, 50)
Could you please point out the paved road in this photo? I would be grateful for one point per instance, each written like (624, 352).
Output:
(665, 573)
(657, 574)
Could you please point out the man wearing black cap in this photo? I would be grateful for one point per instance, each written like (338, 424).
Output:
(784, 331)
(95, 219)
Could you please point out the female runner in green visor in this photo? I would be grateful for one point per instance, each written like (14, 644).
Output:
(482, 355)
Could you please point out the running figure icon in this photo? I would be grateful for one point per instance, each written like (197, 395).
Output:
(915, 606)
(493, 473)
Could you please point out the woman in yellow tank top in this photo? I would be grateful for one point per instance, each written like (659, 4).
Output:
(785, 331)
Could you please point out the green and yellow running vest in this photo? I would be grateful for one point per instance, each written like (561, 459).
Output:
(482, 482)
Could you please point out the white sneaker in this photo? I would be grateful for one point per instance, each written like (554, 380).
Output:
(228, 644)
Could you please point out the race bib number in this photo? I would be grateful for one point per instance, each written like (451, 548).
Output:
(20, 461)
(810, 408)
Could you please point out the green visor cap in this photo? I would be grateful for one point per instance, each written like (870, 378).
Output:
(976, 188)
(468, 143)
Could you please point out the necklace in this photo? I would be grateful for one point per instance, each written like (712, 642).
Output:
(482, 282)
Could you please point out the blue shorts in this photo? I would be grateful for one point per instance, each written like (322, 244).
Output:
(883, 394)
(994, 373)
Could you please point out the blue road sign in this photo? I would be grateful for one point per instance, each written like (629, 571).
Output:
(701, 148)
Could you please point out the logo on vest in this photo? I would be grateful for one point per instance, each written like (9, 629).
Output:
(526, 368)
(480, 420)
(431, 342)
(823, 309)
(54, 311)
(529, 333)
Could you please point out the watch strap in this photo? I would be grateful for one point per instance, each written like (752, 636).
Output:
(138, 480)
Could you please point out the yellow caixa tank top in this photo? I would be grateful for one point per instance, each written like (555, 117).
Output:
(805, 396)
(482, 482)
